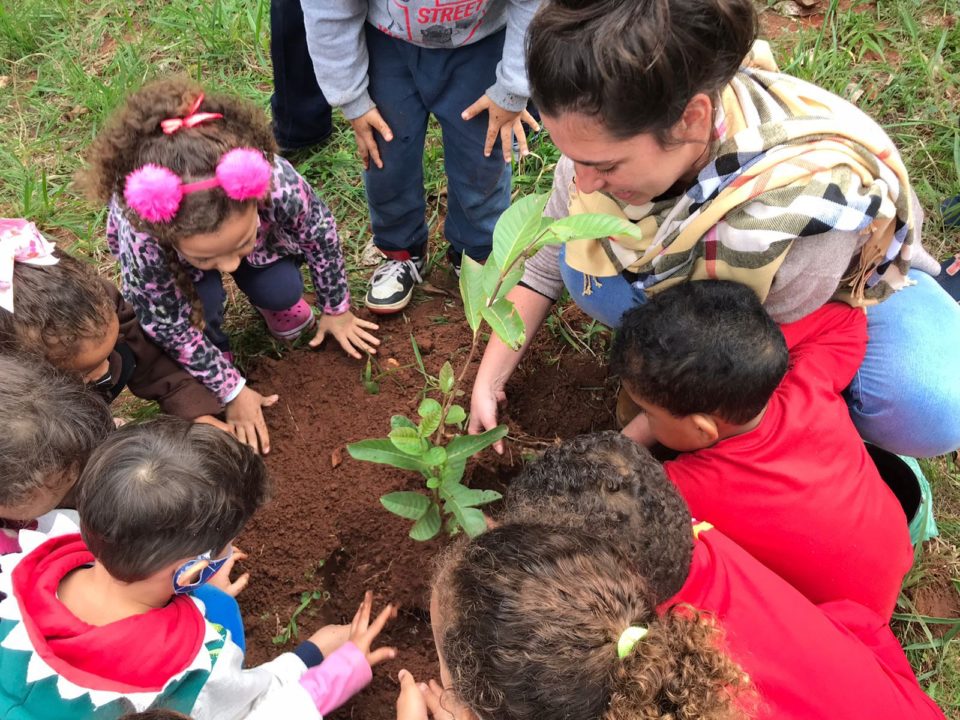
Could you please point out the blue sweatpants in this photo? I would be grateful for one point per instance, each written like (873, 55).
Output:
(408, 83)
(277, 286)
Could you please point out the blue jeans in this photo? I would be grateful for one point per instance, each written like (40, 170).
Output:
(905, 397)
(301, 115)
(408, 83)
(277, 286)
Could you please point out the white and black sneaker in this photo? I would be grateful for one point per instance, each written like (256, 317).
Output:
(391, 286)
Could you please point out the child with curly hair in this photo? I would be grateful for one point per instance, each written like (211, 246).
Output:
(833, 660)
(51, 425)
(547, 623)
(80, 323)
(195, 190)
(160, 504)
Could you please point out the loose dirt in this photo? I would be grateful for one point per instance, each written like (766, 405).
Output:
(325, 528)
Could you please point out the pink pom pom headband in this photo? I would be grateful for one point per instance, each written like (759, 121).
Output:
(155, 192)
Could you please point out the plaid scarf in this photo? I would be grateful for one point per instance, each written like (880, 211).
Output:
(790, 161)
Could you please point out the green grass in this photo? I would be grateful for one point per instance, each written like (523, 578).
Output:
(65, 64)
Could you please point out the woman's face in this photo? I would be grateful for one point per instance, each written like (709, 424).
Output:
(637, 169)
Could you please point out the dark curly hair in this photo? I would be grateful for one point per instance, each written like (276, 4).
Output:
(52, 423)
(635, 63)
(702, 347)
(133, 137)
(610, 485)
(530, 619)
(167, 489)
(57, 307)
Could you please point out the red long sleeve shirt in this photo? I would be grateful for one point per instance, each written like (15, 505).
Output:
(838, 660)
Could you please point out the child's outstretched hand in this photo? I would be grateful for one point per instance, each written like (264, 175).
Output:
(221, 578)
(416, 700)
(350, 331)
(245, 417)
(363, 633)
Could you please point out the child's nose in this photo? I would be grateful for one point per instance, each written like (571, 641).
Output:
(229, 265)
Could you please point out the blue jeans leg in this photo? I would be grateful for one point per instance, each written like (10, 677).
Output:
(478, 186)
(276, 286)
(212, 296)
(395, 192)
(606, 299)
(301, 114)
(905, 397)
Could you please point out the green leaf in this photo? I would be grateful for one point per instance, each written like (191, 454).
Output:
(446, 379)
(506, 322)
(401, 421)
(491, 278)
(433, 482)
(470, 519)
(407, 440)
(456, 415)
(435, 456)
(587, 226)
(454, 469)
(384, 452)
(468, 497)
(465, 446)
(430, 411)
(409, 505)
(427, 527)
(471, 290)
(517, 228)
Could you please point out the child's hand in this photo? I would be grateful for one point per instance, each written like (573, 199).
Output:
(363, 128)
(416, 699)
(245, 417)
(350, 331)
(221, 579)
(211, 420)
(362, 633)
(504, 123)
(330, 638)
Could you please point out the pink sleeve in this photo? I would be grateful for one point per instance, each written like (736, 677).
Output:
(337, 679)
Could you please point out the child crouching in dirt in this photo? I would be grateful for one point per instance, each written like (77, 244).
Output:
(837, 659)
(51, 424)
(769, 453)
(160, 504)
(58, 308)
(542, 623)
(195, 190)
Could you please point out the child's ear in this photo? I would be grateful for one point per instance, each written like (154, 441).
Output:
(707, 429)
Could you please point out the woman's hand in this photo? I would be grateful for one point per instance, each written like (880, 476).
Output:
(485, 401)
(350, 331)
(221, 579)
(245, 418)
(502, 122)
(363, 128)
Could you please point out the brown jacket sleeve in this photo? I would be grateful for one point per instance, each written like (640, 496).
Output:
(158, 376)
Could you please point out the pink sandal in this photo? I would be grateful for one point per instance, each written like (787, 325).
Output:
(289, 324)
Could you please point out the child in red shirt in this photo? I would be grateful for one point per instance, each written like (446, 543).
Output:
(769, 453)
(836, 660)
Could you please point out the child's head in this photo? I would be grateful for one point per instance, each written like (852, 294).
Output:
(611, 486)
(63, 313)
(210, 228)
(627, 87)
(162, 492)
(529, 622)
(701, 359)
(51, 425)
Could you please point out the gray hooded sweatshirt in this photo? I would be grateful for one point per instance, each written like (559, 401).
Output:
(335, 37)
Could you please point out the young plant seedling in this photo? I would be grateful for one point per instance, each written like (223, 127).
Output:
(291, 631)
(434, 446)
